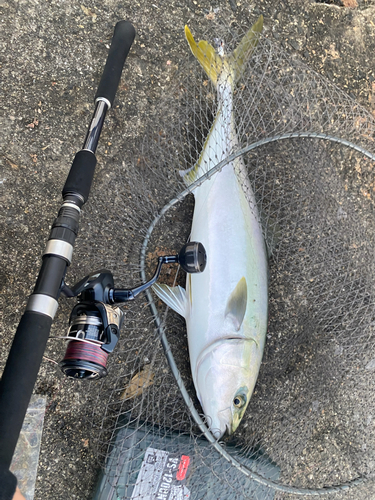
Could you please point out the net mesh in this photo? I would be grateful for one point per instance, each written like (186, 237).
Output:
(309, 427)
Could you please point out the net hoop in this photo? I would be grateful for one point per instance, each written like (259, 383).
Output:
(164, 341)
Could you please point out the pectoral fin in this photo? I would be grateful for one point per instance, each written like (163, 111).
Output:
(175, 297)
(236, 306)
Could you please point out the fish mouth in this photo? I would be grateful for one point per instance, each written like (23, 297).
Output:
(221, 425)
(217, 432)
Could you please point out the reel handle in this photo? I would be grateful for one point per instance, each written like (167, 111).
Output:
(122, 40)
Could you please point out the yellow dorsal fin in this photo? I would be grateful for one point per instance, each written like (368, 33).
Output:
(209, 59)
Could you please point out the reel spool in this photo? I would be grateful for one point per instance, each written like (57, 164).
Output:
(94, 338)
(84, 361)
(95, 323)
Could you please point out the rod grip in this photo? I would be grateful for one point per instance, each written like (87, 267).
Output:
(122, 40)
(80, 175)
(19, 376)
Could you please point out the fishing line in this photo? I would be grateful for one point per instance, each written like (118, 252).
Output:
(51, 360)
(163, 338)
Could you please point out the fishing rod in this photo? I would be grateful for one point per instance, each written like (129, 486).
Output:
(96, 319)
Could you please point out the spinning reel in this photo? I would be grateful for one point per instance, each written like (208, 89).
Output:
(95, 322)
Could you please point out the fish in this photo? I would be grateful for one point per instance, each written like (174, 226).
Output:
(226, 306)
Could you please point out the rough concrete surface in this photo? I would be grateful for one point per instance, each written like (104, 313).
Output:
(52, 54)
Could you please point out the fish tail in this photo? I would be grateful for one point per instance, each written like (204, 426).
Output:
(226, 69)
(208, 58)
(233, 64)
(238, 59)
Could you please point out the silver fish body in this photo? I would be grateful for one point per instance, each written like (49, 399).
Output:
(226, 306)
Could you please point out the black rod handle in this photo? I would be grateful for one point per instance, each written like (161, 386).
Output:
(122, 40)
(18, 379)
(25, 357)
(80, 175)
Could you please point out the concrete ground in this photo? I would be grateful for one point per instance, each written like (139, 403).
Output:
(52, 54)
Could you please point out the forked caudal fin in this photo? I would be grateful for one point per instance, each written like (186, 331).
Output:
(224, 71)
(233, 64)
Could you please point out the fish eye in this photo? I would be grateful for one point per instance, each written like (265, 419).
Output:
(239, 401)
